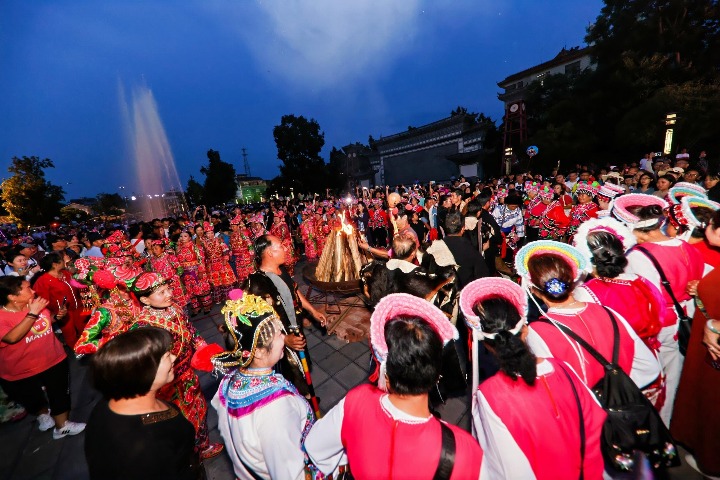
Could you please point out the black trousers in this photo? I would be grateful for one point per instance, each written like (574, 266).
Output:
(29, 393)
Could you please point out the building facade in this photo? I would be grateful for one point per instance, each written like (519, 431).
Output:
(438, 151)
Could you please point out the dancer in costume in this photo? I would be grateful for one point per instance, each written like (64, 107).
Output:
(117, 309)
(389, 432)
(514, 442)
(553, 222)
(681, 265)
(167, 265)
(194, 273)
(184, 391)
(261, 416)
(551, 270)
(537, 207)
(281, 230)
(585, 208)
(308, 232)
(604, 243)
(222, 278)
(241, 247)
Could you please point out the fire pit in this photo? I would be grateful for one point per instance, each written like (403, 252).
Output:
(335, 280)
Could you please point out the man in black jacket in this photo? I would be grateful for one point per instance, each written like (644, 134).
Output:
(272, 282)
(457, 250)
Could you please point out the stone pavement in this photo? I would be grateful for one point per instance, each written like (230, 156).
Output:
(29, 454)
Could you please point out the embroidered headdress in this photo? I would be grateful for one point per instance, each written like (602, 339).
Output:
(245, 314)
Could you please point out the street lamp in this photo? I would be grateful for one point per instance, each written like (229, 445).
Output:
(670, 121)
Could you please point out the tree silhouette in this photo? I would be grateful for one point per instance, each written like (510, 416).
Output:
(27, 196)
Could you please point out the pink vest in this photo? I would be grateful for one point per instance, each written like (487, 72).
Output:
(680, 264)
(544, 422)
(638, 301)
(593, 325)
(379, 446)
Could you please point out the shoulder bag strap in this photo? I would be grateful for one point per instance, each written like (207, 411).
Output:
(663, 279)
(582, 422)
(595, 354)
(447, 454)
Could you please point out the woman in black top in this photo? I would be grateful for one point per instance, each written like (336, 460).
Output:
(131, 433)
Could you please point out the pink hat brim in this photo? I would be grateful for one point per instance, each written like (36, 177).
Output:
(397, 304)
(491, 287)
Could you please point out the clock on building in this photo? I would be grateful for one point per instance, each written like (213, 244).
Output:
(514, 107)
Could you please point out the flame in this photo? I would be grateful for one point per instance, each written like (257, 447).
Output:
(346, 227)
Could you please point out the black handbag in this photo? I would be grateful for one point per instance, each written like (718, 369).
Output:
(684, 322)
(632, 423)
(453, 375)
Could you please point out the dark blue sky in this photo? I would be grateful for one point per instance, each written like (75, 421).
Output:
(224, 72)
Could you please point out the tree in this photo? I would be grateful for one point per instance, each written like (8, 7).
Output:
(108, 204)
(220, 186)
(194, 192)
(299, 142)
(27, 196)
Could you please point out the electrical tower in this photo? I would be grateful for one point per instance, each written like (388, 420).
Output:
(245, 162)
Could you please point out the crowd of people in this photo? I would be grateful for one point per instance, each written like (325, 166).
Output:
(522, 281)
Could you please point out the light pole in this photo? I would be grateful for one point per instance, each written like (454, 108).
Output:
(670, 121)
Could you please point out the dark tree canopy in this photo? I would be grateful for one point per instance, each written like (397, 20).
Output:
(299, 142)
(109, 204)
(220, 185)
(27, 196)
(194, 192)
(652, 58)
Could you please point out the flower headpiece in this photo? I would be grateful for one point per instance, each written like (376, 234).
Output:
(245, 314)
(395, 305)
(546, 193)
(236, 220)
(208, 227)
(147, 282)
(609, 225)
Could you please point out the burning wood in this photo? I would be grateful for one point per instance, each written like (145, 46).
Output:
(340, 260)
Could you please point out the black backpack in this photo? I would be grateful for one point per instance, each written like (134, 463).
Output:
(632, 423)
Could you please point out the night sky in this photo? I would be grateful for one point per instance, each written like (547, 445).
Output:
(224, 72)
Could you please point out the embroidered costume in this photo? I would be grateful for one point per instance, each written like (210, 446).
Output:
(308, 232)
(263, 420)
(242, 250)
(222, 277)
(194, 275)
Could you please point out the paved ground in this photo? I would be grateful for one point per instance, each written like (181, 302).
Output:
(28, 453)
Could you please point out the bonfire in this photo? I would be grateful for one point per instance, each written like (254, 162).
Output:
(340, 260)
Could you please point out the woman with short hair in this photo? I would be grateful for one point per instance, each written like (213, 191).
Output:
(33, 364)
(129, 370)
